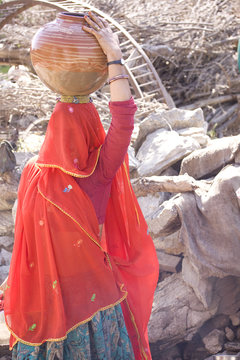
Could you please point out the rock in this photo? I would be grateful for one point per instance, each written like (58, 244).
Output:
(214, 341)
(219, 321)
(6, 241)
(199, 134)
(177, 314)
(168, 262)
(133, 162)
(7, 157)
(14, 210)
(8, 195)
(31, 142)
(204, 162)
(4, 332)
(170, 244)
(170, 354)
(166, 220)
(6, 223)
(161, 149)
(227, 290)
(169, 172)
(5, 257)
(149, 204)
(232, 346)
(229, 334)
(169, 119)
(4, 270)
(23, 157)
(235, 319)
(203, 288)
(237, 334)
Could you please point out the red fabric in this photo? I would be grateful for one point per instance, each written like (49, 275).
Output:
(61, 273)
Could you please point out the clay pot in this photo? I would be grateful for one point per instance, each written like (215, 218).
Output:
(66, 58)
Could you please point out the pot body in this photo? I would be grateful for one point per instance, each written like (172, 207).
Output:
(67, 59)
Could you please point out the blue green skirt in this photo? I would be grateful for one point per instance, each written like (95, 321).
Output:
(105, 337)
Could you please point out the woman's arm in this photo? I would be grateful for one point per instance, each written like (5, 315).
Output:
(119, 89)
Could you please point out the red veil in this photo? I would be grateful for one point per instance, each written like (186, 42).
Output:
(61, 273)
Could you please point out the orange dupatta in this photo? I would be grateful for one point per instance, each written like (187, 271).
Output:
(61, 273)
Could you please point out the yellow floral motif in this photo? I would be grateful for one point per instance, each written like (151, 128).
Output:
(33, 327)
(54, 284)
(93, 297)
(7, 287)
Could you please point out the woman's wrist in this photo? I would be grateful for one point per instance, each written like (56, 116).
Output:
(114, 55)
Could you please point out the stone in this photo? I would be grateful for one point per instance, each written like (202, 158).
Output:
(14, 211)
(4, 270)
(199, 134)
(235, 319)
(204, 162)
(133, 162)
(227, 290)
(169, 119)
(170, 354)
(6, 241)
(203, 288)
(232, 346)
(229, 334)
(161, 149)
(6, 223)
(166, 220)
(170, 244)
(5, 257)
(4, 332)
(219, 321)
(170, 263)
(31, 142)
(237, 334)
(150, 204)
(8, 195)
(177, 314)
(214, 341)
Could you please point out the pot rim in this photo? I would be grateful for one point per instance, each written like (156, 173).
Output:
(71, 16)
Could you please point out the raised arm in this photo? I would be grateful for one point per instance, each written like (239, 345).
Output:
(109, 43)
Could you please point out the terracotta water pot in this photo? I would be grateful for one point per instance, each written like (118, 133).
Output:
(66, 58)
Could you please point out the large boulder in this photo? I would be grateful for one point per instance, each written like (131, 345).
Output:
(161, 149)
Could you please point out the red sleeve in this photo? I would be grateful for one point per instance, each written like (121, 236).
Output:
(118, 137)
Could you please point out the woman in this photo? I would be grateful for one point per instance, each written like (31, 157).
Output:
(83, 268)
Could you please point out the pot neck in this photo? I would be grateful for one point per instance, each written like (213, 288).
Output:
(71, 17)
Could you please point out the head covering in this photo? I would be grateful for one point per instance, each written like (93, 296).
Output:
(61, 273)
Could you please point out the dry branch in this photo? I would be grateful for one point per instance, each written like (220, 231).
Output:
(175, 184)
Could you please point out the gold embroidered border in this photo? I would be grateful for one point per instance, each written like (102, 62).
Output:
(69, 172)
(72, 328)
(58, 207)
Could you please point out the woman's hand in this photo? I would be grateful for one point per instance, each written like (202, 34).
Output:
(109, 43)
(103, 33)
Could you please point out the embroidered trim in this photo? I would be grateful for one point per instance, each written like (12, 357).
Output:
(72, 328)
(76, 99)
(58, 207)
(39, 165)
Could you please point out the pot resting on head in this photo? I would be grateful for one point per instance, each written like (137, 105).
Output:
(67, 59)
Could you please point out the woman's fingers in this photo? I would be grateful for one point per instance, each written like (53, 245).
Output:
(96, 19)
(92, 23)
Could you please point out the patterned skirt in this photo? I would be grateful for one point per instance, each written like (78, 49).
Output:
(105, 337)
